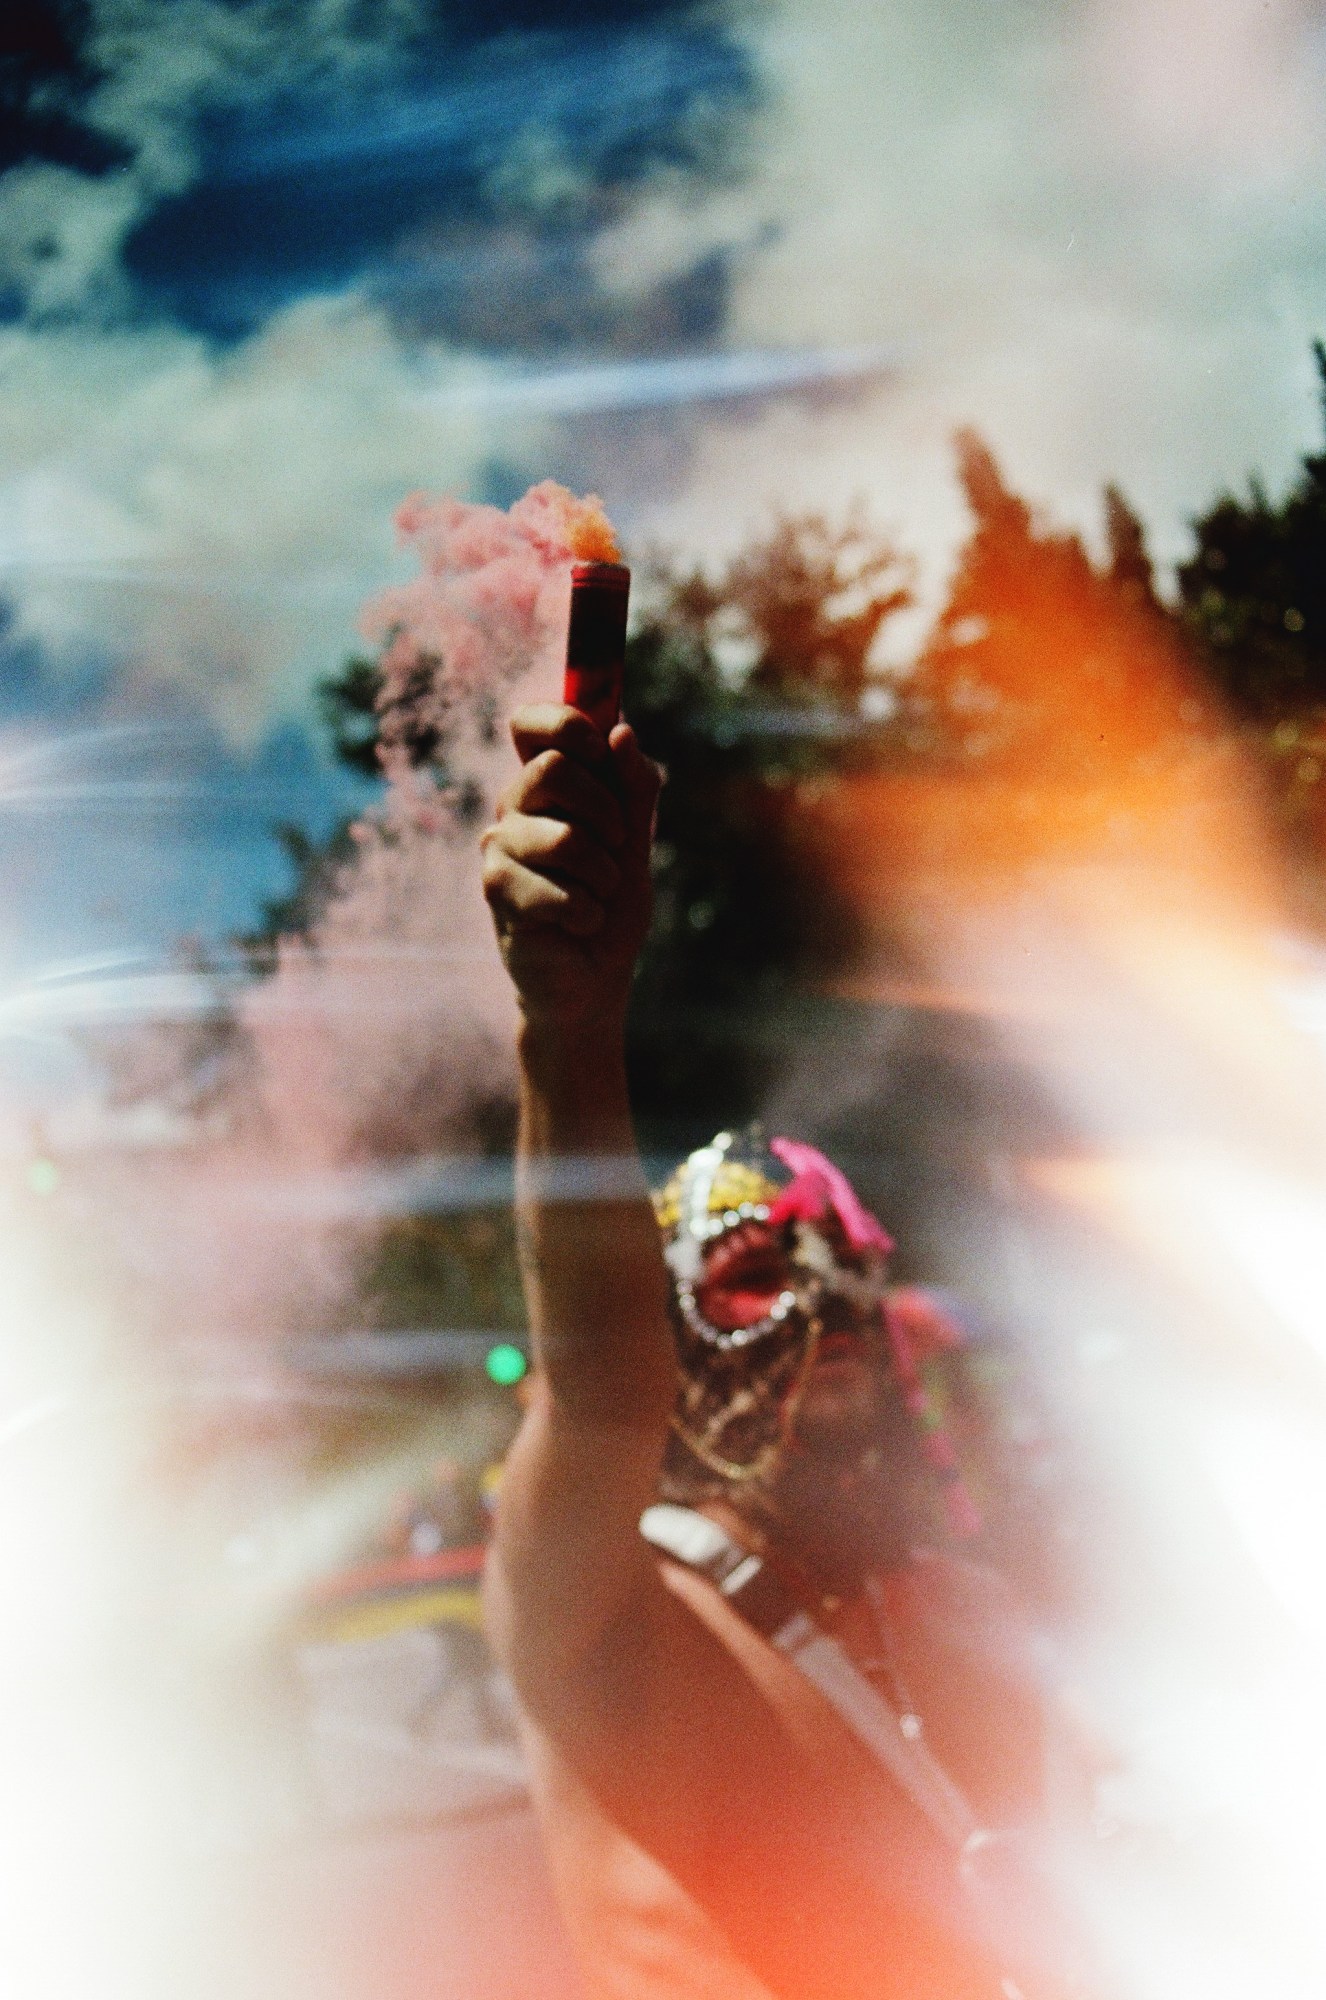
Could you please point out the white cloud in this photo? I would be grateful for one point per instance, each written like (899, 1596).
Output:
(978, 187)
(216, 518)
(661, 236)
(1234, 81)
(60, 237)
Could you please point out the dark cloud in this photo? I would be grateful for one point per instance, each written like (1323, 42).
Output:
(465, 196)
(45, 85)
(440, 157)
(513, 289)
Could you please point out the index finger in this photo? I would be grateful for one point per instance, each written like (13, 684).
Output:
(551, 725)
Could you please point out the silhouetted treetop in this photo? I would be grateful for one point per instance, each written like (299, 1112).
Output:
(1254, 592)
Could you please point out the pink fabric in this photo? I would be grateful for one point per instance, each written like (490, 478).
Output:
(915, 1325)
(917, 1328)
(819, 1185)
(916, 1320)
(964, 1516)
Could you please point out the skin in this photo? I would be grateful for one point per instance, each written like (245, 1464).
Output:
(713, 1827)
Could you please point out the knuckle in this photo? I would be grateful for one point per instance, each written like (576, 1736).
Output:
(540, 780)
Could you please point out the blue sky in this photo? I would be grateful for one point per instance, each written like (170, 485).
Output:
(267, 266)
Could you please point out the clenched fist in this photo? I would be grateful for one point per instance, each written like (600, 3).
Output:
(566, 865)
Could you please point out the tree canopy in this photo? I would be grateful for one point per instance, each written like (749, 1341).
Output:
(1254, 591)
(758, 684)
(1041, 659)
(1253, 599)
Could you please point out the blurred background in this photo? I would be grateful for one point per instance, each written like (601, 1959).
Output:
(951, 376)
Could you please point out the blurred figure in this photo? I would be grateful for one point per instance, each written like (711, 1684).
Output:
(778, 1738)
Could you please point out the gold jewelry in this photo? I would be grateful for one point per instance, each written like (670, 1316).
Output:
(768, 1455)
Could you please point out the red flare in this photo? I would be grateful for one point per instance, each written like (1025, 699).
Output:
(596, 641)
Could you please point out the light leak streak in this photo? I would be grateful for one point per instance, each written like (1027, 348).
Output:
(96, 1736)
(52, 1006)
(49, 772)
(607, 89)
(664, 382)
(1115, 931)
(150, 1792)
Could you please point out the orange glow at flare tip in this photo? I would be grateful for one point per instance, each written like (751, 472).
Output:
(589, 532)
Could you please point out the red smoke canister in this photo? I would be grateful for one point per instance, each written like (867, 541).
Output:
(596, 641)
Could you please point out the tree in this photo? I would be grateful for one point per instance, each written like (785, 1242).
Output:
(747, 687)
(814, 600)
(1254, 592)
(1039, 659)
(347, 705)
(1253, 598)
(316, 866)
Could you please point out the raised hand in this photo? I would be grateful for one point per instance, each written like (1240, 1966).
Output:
(566, 865)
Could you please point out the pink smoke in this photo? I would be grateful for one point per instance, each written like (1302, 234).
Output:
(492, 598)
(386, 1035)
(396, 1015)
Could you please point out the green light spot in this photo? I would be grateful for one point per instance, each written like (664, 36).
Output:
(505, 1364)
(43, 1176)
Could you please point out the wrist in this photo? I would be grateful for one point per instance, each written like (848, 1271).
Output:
(587, 1044)
(573, 1090)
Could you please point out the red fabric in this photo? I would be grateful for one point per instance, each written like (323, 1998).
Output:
(743, 1274)
(915, 1318)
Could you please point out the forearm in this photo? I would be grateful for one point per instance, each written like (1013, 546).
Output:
(569, 1562)
(595, 1282)
(566, 872)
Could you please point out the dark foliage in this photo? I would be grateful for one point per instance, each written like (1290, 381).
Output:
(755, 688)
(747, 688)
(347, 709)
(1255, 591)
(316, 864)
(1253, 598)
(443, 1270)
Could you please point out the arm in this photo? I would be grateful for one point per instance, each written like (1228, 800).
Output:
(643, 1685)
(567, 877)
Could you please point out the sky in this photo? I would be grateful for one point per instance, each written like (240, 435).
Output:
(268, 266)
